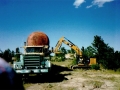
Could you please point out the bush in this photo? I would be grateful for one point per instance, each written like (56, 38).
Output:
(118, 70)
(74, 62)
(95, 66)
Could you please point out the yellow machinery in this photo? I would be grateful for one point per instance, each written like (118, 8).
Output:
(80, 60)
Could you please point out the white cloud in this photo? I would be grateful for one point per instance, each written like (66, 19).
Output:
(99, 3)
(89, 6)
(77, 3)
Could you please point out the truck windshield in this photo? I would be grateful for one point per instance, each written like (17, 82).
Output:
(34, 49)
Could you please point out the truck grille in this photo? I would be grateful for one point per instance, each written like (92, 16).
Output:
(33, 61)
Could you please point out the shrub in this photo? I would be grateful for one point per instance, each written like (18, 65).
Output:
(118, 70)
(95, 66)
(74, 62)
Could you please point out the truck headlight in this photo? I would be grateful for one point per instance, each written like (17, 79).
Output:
(18, 66)
(37, 67)
(25, 67)
(21, 66)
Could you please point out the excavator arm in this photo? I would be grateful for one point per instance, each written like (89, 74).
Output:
(69, 43)
(58, 45)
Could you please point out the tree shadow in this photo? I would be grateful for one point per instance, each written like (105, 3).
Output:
(54, 76)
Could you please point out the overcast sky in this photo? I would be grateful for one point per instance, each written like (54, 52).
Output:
(77, 20)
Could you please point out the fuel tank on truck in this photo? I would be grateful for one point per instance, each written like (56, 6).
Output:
(37, 38)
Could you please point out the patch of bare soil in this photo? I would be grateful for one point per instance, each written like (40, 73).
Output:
(63, 78)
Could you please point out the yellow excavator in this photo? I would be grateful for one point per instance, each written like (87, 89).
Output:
(81, 62)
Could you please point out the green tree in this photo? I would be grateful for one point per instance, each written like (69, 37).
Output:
(88, 52)
(68, 51)
(84, 53)
(104, 54)
(1, 53)
(17, 55)
(100, 47)
(12, 53)
(63, 50)
(117, 58)
(61, 56)
(91, 52)
(7, 55)
(72, 51)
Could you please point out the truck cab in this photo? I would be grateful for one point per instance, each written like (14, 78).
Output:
(35, 59)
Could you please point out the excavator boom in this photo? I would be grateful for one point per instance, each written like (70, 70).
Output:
(69, 43)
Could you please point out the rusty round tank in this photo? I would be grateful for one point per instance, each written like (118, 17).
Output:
(37, 38)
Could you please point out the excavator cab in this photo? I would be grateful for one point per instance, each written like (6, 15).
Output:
(82, 61)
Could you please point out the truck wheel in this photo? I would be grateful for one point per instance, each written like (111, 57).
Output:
(72, 67)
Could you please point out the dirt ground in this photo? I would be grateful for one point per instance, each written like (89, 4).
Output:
(63, 78)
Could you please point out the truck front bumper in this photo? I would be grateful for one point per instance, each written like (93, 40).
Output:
(26, 71)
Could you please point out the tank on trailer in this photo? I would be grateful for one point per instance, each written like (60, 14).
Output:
(37, 38)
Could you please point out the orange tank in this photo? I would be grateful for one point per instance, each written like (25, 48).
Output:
(37, 38)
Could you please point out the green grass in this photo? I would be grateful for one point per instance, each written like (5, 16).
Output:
(65, 63)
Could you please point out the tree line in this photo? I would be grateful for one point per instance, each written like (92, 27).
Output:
(105, 55)
(8, 54)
